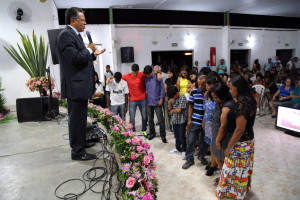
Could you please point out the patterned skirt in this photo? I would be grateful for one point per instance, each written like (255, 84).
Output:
(235, 180)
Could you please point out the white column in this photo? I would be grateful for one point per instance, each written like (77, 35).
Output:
(226, 49)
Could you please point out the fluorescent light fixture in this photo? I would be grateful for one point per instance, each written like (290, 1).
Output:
(188, 54)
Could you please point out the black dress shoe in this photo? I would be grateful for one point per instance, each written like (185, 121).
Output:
(89, 145)
(86, 156)
(151, 137)
(164, 139)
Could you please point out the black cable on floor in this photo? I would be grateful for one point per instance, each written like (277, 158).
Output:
(96, 175)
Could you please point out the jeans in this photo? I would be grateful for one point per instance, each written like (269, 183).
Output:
(167, 116)
(132, 110)
(160, 117)
(180, 141)
(118, 109)
(193, 135)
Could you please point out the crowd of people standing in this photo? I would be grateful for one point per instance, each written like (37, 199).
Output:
(209, 112)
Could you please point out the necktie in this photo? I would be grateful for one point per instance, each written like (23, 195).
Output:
(79, 35)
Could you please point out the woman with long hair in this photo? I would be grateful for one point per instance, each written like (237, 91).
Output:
(99, 92)
(183, 79)
(172, 80)
(235, 180)
(220, 93)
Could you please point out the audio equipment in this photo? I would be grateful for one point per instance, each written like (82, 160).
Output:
(127, 55)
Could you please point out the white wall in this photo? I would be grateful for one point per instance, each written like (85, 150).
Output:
(199, 39)
(13, 76)
(265, 42)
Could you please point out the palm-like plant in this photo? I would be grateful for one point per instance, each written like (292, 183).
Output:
(32, 57)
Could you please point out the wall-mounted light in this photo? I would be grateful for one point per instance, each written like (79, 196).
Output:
(250, 41)
(188, 54)
(189, 41)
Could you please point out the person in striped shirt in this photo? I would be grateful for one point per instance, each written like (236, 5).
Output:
(195, 117)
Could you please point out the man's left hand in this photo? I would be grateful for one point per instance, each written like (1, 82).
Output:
(98, 52)
(125, 110)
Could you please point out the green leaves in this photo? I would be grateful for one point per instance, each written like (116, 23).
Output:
(32, 57)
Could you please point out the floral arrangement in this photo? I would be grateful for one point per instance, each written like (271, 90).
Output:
(3, 110)
(137, 173)
(39, 84)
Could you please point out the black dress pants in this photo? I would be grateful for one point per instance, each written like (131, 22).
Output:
(77, 110)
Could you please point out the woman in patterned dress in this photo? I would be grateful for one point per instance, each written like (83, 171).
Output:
(235, 180)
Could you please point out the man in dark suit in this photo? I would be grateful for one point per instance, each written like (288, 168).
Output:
(77, 81)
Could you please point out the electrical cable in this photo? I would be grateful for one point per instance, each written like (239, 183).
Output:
(98, 174)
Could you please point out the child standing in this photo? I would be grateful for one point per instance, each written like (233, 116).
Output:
(177, 107)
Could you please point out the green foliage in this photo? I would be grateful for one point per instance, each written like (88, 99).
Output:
(32, 57)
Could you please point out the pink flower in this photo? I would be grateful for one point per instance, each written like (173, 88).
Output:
(151, 156)
(154, 166)
(141, 140)
(152, 176)
(147, 197)
(135, 140)
(132, 156)
(126, 134)
(146, 160)
(116, 129)
(139, 149)
(130, 182)
(147, 146)
(38, 82)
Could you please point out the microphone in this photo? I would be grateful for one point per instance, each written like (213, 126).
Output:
(88, 34)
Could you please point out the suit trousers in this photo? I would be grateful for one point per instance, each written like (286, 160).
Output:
(77, 110)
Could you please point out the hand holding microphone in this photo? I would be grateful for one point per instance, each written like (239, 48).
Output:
(92, 46)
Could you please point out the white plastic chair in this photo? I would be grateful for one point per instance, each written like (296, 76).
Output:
(260, 89)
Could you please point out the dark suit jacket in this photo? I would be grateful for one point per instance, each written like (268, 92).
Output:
(76, 63)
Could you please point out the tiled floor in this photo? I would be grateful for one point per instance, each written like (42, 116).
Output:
(35, 159)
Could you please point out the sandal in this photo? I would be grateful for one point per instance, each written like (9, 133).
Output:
(216, 182)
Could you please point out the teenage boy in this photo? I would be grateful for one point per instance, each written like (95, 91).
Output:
(195, 117)
(177, 106)
(155, 91)
(117, 95)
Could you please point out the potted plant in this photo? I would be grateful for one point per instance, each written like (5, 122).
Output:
(33, 59)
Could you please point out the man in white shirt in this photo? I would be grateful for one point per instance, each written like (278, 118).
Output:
(117, 95)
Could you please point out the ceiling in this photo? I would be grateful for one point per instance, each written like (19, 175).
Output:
(288, 8)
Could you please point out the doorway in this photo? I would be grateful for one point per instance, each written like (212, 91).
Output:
(242, 56)
(172, 58)
(284, 55)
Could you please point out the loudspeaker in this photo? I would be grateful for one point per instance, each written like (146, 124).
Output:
(127, 55)
(52, 36)
(36, 109)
